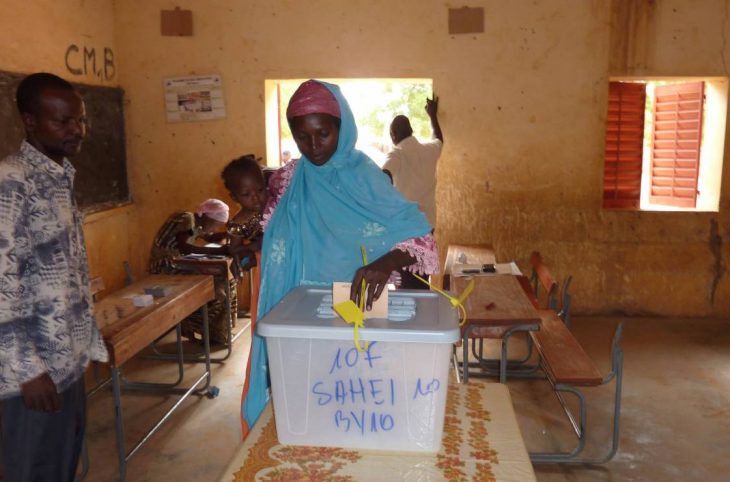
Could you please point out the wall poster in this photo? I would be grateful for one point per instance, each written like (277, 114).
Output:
(194, 98)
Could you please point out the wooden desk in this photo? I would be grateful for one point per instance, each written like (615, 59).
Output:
(135, 330)
(216, 267)
(466, 254)
(481, 441)
(202, 265)
(512, 310)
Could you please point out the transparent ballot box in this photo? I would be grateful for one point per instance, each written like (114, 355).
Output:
(390, 396)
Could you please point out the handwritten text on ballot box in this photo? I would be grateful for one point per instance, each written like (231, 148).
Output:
(390, 397)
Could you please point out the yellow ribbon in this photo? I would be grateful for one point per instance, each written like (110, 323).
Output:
(354, 314)
(364, 254)
(456, 302)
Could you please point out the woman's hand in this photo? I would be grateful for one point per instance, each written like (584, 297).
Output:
(238, 252)
(376, 276)
(243, 253)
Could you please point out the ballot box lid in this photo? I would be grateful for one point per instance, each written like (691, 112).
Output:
(414, 316)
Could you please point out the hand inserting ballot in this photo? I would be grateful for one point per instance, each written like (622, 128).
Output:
(376, 276)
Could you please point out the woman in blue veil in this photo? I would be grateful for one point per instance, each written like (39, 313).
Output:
(324, 208)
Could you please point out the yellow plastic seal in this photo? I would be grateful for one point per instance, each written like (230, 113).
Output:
(353, 315)
(456, 302)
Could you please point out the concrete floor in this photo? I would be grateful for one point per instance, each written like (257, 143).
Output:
(675, 421)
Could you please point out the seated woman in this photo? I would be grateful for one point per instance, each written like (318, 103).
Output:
(187, 233)
(323, 208)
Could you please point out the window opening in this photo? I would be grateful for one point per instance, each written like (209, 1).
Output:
(374, 103)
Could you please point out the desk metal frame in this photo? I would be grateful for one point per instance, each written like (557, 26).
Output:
(486, 365)
(215, 267)
(579, 426)
(118, 383)
(524, 320)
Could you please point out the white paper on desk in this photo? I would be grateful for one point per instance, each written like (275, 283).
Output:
(197, 256)
(140, 299)
(499, 268)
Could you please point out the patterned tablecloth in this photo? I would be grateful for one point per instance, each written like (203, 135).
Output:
(481, 442)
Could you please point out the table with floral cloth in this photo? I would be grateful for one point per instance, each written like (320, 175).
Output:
(481, 442)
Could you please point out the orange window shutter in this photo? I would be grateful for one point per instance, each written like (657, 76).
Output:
(675, 153)
(624, 145)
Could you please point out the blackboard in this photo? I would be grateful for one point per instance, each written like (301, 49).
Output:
(101, 165)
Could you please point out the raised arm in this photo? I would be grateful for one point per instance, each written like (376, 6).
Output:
(432, 107)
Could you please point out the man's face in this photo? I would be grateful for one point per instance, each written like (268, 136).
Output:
(59, 124)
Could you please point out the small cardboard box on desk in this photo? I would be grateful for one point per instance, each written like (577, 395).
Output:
(390, 396)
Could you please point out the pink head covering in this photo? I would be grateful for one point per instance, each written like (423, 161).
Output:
(214, 209)
(312, 97)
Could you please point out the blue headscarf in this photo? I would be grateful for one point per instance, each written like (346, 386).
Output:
(314, 236)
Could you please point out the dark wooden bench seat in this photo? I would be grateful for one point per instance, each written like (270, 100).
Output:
(564, 360)
(568, 367)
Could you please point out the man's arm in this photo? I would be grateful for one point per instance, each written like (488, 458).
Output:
(432, 107)
(392, 165)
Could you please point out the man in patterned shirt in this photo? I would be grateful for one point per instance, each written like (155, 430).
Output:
(48, 333)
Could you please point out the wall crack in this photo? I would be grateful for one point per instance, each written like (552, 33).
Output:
(717, 268)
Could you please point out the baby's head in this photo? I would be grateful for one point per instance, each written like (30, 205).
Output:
(244, 180)
(212, 215)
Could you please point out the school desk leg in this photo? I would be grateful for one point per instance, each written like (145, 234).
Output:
(206, 344)
(117, 395)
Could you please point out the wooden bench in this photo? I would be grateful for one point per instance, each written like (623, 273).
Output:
(563, 359)
(541, 277)
(567, 366)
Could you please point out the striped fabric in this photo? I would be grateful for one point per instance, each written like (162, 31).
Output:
(164, 248)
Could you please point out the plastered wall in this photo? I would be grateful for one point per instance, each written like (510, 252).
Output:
(522, 109)
(73, 39)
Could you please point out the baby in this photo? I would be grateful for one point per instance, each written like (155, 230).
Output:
(244, 179)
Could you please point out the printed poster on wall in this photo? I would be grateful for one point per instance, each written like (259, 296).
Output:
(195, 98)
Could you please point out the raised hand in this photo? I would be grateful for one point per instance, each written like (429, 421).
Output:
(432, 106)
